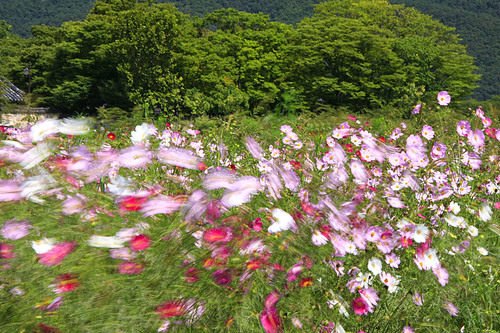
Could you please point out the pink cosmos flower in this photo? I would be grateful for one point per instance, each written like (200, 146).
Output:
(57, 254)
(443, 98)
(476, 138)
(408, 329)
(463, 128)
(442, 274)
(6, 251)
(418, 299)
(15, 230)
(428, 132)
(416, 109)
(179, 157)
(10, 191)
(451, 308)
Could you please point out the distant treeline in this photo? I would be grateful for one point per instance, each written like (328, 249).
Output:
(477, 22)
(354, 54)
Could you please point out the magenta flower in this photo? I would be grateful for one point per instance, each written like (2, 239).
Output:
(444, 98)
(56, 255)
(270, 320)
(360, 306)
(15, 230)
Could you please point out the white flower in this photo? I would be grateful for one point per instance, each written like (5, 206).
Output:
(282, 221)
(36, 155)
(43, 245)
(112, 242)
(454, 208)
(44, 128)
(472, 231)
(482, 250)
(141, 134)
(74, 126)
(431, 258)
(485, 213)
(318, 238)
(375, 266)
(420, 233)
(364, 280)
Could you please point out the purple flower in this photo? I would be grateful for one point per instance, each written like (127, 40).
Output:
(416, 109)
(444, 98)
(476, 138)
(463, 128)
(15, 230)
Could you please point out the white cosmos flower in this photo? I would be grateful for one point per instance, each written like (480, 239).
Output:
(70, 126)
(112, 242)
(375, 266)
(36, 155)
(141, 134)
(420, 233)
(282, 221)
(482, 250)
(44, 128)
(485, 213)
(472, 231)
(431, 258)
(454, 208)
(43, 245)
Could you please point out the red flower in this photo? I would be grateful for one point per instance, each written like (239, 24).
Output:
(140, 242)
(132, 203)
(66, 282)
(171, 309)
(306, 282)
(56, 255)
(111, 136)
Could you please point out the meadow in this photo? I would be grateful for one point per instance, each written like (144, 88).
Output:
(229, 225)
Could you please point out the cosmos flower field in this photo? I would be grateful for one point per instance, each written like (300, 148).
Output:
(170, 229)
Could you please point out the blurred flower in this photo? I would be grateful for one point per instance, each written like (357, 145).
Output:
(9, 191)
(485, 213)
(220, 234)
(15, 230)
(130, 268)
(416, 109)
(451, 308)
(375, 266)
(112, 242)
(6, 251)
(43, 245)
(408, 329)
(65, 283)
(57, 254)
(282, 221)
(140, 242)
(171, 309)
(270, 320)
(111, 136)
(443, 98)
(44, 128)
(483, 251)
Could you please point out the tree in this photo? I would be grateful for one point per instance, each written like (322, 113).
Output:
(365, 53)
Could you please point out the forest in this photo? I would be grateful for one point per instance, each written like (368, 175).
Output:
(360, 55)
(476, 22)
